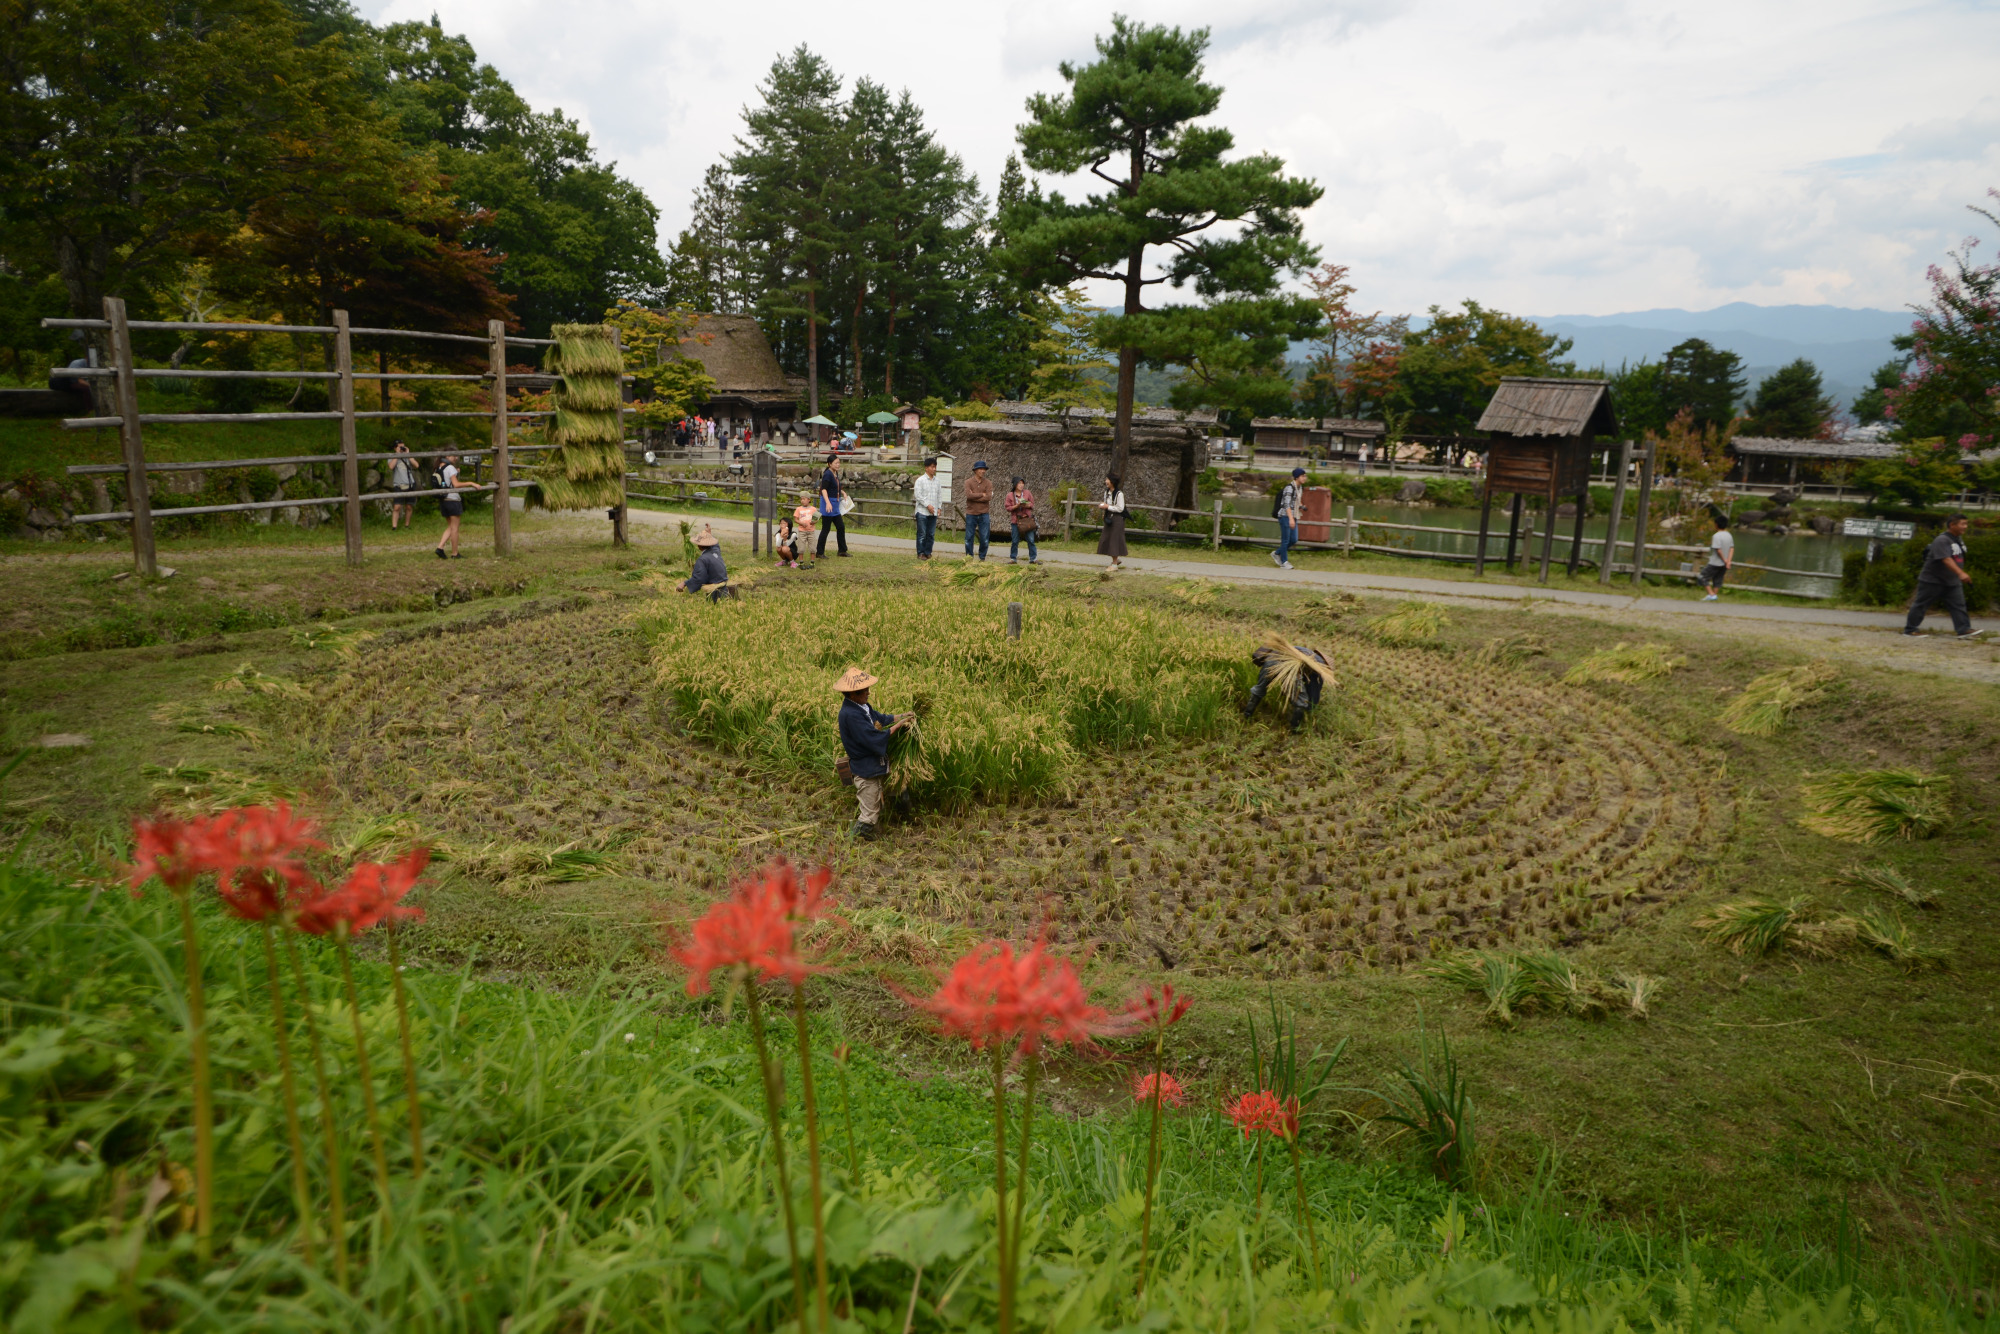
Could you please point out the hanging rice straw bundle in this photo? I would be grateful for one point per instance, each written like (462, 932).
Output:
(585, 469)
(1289, 666)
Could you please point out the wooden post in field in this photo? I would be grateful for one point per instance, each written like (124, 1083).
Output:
(1350, 533)
(137, 498)
(503, 505)
(1639, 518)
(350, 466)
(1069, 499)
(1617, 513)
(1013, 620)
(1216, 541)
(618, 514)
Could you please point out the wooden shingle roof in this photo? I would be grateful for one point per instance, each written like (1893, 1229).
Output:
(1531, 406)
(1815, 449)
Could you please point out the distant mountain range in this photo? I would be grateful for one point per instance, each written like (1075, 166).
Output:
(1846, 344)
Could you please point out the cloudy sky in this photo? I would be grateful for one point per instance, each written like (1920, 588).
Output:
(1546, 157)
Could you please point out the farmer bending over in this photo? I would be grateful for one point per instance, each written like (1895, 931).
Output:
(864, 735)
(1297, 672)
(709, 571)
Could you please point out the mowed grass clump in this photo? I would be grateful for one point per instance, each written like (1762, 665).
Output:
(1000, 718)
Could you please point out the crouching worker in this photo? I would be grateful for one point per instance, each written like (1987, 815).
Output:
(709, 571)
(864, 735)
(1297, 672)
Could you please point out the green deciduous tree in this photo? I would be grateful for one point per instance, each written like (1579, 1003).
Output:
(1137, 110)
(1871, 405)
(1450, 368)
(1952, 389)
(1355, 356)
(1791, 404)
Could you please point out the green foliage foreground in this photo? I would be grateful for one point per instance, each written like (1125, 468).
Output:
(596, 1164)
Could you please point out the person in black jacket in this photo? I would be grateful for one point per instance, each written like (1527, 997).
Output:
(708, 567)
(1304, 696)
(864, 735)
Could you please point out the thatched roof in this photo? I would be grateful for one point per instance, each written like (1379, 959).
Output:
(1282, 424)
(1321, 426)
(1015, 410)
(1531, 406)
(1814, 449)
(733, 350)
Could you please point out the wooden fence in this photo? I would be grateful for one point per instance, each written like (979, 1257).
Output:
(125, 374)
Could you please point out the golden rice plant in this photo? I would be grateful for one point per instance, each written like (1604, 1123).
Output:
(1290, 668)
(1876, 805)
(1511, 650)
(1498, 977)
(497, 860)
(1410, 624)
(1624, 663)
(247, 680)
(586, 467)
(1889, 880)
(1562, 985)
(1769, 700)
(193, 789)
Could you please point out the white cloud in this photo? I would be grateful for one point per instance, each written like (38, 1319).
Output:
(1566, 155)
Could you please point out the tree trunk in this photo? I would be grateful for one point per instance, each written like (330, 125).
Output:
(854, 335)
(812, 349)
(1128, 357)
(889, 350)
(83, 282)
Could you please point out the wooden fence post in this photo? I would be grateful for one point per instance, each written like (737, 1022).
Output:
(1350, 531)
(1069, 499)
(138, 499)
(1218, 523)
(1617, 512)
(618, 514)
(1639, 518)
(1013, 620)
(350, 466)
(503, 495)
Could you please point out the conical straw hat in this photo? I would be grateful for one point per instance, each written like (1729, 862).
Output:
(855, 679)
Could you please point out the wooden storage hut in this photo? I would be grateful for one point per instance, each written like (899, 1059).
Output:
(750, 388)
(1539, 433)
(1283, 439)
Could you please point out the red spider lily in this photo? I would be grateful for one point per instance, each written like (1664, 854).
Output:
(1164, 1087)
(372, 894)
(1155, 1010)
(255, 895)
(259, 838)
(1261, 1110)
(176, 851)
(993, 994)
(752, 929)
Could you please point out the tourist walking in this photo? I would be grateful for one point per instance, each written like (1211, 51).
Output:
(926, 496)
(402, 481)
(1111, 540)
(831, 518)
(1721, 556)
(1020, 504)
(864, 735)
(1943, 579)
(1291, 506)
(1300, 672)
(451, 503)
(709, 571)
(978, 509)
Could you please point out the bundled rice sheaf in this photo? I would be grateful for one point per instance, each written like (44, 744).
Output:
(586, 467)
(1290, 668)
(1512, 650)
(998, 718)
(1512, 983)
(1761, 926)
(1889, 880)
(1625, 664)
(1411, 623)
(1876, 805)
(1769, 700)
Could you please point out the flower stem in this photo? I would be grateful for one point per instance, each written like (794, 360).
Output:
(204, 1106)
(812, 1150)
(773, 1115)
(361, 1066)
(281, 1030)
(1152, 1164)
(1298, 1179)
(336, 1188)
(409, 1056)
(1000, 1187)
(1021, 1172)
(847, 1118)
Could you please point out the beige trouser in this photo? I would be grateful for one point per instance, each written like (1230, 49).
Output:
(869, 791)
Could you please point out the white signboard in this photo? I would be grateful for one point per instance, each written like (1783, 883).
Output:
(1887, 530)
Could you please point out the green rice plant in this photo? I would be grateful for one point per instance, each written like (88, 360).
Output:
(377, 834)
(197, 789)
(1889, 880)
(1561, 985)
(1625, 664)
(1499, 978)
(497, 861)
(1876, 805)
(1410, 624)
(186, 717)
(1769, 700)
(1637, 990)
(1753, 926)
(1436, 1107)
(1885, 930)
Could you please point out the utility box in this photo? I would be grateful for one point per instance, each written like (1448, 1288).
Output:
(1316, 517)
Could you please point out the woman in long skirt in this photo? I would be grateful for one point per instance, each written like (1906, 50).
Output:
(1111, 541)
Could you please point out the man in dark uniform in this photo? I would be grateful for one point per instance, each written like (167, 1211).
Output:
(1944, 580)
(1304, 697)
(864, 735)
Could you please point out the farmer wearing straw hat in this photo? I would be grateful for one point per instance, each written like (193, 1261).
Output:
(709, 571)
(1297, 671)
(864, 735)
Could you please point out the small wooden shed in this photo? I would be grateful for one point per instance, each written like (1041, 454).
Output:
(1539, 433)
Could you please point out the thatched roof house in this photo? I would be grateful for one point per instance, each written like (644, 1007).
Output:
(750, 387)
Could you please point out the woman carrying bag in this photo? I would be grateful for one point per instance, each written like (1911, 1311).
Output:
(1111, 541)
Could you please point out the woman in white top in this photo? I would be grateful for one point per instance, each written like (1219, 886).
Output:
(453, 506)
(1111, 540)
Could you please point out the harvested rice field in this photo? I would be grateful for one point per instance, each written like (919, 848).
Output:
(1688, 968)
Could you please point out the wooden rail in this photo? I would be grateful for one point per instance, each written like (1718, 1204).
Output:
(125, 374)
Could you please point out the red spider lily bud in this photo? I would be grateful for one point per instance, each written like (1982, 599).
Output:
(1156, 1010)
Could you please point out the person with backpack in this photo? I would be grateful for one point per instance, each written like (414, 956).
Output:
(1287, 510)
(452, 504)
(1943, 580)
(402, 481)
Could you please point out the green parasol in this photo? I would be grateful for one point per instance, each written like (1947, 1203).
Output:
(883, 419)
(817, 421)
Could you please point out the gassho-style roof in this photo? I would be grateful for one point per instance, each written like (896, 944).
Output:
(732, 348)
(1814, 449)
(1326, 426)
(1017, 410)
(1533, 406)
